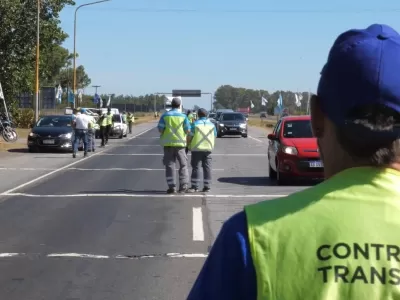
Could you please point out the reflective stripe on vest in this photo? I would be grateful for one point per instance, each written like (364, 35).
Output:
(201, 141)
(174, 134)
(336, 240)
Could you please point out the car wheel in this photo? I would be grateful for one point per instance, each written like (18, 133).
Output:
(33, 150)
(272, 172)
(280, 179)
(244, 135)
(121, 136)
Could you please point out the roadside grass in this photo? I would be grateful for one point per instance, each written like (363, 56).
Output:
(267, 124)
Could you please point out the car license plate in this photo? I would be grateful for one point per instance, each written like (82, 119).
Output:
(233, 129)
(48, 142)
(316, 164)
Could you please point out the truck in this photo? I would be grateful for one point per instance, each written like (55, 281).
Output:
(168, 102)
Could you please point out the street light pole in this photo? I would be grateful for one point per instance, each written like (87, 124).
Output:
(76, 10)
(37, 62)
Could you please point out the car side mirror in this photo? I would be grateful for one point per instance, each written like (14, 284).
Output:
(272, 137)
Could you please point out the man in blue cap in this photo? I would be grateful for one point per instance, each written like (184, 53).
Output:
(338, 239)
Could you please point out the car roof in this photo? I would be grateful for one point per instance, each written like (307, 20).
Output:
(296, 118)
(56, 116)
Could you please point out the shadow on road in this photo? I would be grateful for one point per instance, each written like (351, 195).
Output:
(249, 181)
(262, 181)
(19, 150)
(125, 191)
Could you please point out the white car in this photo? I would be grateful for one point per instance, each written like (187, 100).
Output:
(120, 129)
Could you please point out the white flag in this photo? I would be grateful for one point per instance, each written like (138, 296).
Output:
(80, 94)
(298, 103)
(59, 94)
(251, 104)
(1, 93)
(109, 101)
(300, 96)
(101, 102)
(264, 101)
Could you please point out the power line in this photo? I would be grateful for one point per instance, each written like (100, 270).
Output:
(254, 11)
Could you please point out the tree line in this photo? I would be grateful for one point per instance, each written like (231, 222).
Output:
(227, 96)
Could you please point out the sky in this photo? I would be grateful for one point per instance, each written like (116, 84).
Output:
(135, 47)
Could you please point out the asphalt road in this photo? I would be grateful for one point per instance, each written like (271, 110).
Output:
(103, 228)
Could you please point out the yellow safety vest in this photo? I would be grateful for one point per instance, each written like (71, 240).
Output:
(174, 135)
(191, 118)
(103, 120)
(204, 137)
(337, 240)
(109, 119)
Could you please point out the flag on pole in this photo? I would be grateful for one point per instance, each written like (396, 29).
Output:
(264, 101)
(59, 94)
(280, 101)
(101, 102)
(251, 104)
(71, 96)
(80, 94)
(1, 93)
(96, 99)
(298, 101)
(109, 101)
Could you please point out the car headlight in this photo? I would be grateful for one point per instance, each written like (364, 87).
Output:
(66, 135)
(31, 134)
(220, 124)
(117, 126)
(242, 125)
(289, 150)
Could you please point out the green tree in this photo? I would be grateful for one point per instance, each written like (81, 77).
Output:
(65, 77)
(18, 43)
(227, 96)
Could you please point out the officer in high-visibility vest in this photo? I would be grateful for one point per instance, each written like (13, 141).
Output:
(109, 117)
(201, 144)
(190, 116)
(174, 126)
(92, 134)
(338, 240)
(131, 120)
(103, 129)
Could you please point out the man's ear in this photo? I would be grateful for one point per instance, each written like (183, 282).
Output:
(317, 117)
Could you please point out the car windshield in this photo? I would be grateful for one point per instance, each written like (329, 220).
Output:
(297, 129)
(116, 118)
(212, 115)
(59, 121)
(233, 117)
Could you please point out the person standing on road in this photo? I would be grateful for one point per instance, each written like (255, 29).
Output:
(201, 144)
(131, 120)
(103, 129)
(92, 134)
(173, 127)
(109, 118)
(81, 126)
(338, 239)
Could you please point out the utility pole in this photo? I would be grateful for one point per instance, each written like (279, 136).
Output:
(37, 61)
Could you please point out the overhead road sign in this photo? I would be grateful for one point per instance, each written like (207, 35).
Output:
(186, 93)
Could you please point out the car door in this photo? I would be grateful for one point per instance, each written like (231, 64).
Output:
(274, 146)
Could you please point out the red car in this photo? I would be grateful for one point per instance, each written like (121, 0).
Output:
(293, 151)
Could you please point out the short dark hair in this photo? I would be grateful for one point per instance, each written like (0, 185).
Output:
(372, 136)
(202, 113)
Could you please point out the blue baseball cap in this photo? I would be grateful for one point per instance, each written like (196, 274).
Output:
(363, 68)
(83, 110)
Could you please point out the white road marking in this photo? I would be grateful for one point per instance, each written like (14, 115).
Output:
(64, 167)
(161, 154)
(253, 138)
(198, 228)
(116, 195)
(83, 169)
(77, 255)
(97, 256)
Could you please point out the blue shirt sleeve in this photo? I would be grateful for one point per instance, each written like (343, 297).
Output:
(228, 273)
(186, 124)
(161, 123)
(192, 129)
